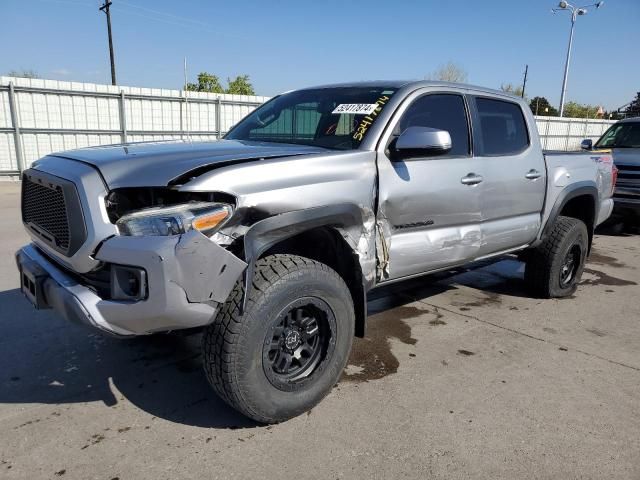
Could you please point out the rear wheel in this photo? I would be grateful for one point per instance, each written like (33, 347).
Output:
(554, 268)
(285, 352)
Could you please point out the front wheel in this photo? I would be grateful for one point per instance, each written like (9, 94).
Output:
(554, 268)
(285, 352)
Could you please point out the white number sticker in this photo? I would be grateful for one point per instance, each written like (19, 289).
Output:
(356, 108)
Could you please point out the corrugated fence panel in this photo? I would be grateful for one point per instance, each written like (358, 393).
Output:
(567, 133)
(7, 145)
(57, 115)
(5, 113)
(7, 153)
(37, 145)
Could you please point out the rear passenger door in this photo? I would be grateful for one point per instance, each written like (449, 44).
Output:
(514, 173)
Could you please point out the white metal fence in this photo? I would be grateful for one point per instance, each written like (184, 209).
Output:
(38, 117)
(566, 133)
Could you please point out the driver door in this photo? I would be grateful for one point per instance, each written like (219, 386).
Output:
(429, 210)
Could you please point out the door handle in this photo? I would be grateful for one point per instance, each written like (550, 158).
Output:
(471, 179)
(532, 174)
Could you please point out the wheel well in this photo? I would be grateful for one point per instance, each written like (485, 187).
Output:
(583, 208)
(326, 245)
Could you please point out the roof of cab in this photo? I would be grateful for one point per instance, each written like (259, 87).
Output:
(408, 83)
(630, 120)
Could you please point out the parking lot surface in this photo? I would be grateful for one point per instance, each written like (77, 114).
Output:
(460, 376)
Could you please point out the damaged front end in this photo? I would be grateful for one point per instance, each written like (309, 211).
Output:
(159, 258)
(160, 272)
(166, 234)
(186, 277)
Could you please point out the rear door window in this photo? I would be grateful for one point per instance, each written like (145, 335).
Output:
(503, 129)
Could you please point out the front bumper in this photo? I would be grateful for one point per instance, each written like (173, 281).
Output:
(626, 205)
(188, 277)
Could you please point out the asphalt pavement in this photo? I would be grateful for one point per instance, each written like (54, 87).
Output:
(461, 376)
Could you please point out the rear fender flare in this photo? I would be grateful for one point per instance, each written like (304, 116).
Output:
(572, 191)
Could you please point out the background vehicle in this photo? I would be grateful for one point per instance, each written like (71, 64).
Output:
(623, 140)
(272, 238)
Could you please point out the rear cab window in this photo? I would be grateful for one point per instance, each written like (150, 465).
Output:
(501, 127)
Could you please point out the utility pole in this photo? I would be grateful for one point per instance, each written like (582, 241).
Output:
(524, 83)
(105, 9)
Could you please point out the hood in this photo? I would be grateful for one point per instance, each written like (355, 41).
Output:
(626, 156)
(156, 164)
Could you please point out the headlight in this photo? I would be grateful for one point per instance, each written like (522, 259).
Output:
(162, 221)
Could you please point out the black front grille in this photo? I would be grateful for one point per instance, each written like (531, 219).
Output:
(45, 208)
(626, 196)
(629, 175)
(627, 167)
(51, 209)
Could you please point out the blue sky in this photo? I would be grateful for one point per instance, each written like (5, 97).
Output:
(289, 44)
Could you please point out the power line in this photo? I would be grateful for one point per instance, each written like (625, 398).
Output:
(164, 14)
(171, 19)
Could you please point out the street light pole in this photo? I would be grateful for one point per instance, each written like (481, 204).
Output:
(575, 11)
(566, 64)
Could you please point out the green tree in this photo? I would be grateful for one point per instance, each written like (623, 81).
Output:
(614, 115)
(578, 110)
(633, 109)
(240, 86)
(449, 72)
(23, 73)
(541, 106)
(207, 82)
(513, 90)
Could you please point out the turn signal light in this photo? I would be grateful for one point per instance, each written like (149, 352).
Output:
(209, 221)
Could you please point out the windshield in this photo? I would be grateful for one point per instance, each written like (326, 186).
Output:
(621, 135)
(336, 118)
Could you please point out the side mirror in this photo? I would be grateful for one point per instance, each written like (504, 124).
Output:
(586, 144)
(422, 141)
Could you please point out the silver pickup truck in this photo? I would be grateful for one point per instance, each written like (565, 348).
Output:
(271, 238)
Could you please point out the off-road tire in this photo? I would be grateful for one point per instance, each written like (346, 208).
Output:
(233, 345)
(545, 263)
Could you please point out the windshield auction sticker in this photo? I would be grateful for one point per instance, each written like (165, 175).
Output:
(366, 122)
(356, 108)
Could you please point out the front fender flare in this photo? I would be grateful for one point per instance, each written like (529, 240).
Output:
(268, 232)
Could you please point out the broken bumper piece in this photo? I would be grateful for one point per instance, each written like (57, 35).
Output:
(187, 277)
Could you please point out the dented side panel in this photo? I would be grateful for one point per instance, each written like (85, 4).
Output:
(270, 188)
